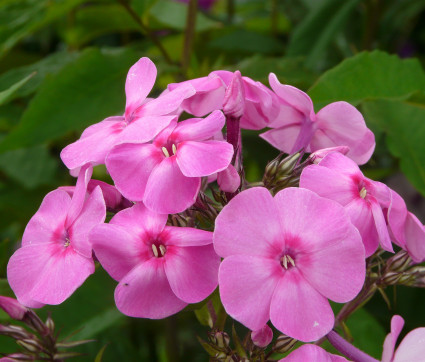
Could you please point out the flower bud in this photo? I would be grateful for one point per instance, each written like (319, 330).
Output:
(262, 337)
(319, 155)
(15, 332)
(30, 345)
(399, 262)
(234, 98)
(220, 339)
(13, 308)
(284, 343)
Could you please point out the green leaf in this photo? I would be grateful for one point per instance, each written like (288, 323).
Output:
(6, 95)
(48, 65)
(314, 34)
(241, 40)
(99, 356)
(240, 350)
(82, 93)
(31, 167)
(173, 14)
(404, 123)
(369, 75)
(367, 333)
(29, 16)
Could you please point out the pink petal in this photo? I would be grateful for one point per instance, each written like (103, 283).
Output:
(292, 96)
(199, 130)
(166, 103)
(298, 310)
(319, 155)
(47, 273)
(146, 293)
(234, 97)
(283, 138)
(198, 159)
(258, 208)
(310, 222)
(144, 129)
(140, 80)
(130, 165)
(13, 308)
(79, 195)
(338, 271)
(415, 238)
(113, 198)
(139, 220)
(361, 216)
(49, 218)
(185, 236)
(192, 271)
(92, 214)
(117, 249)
(327, 183)
(229, 180)
(341, 124)
(262, 337)
(397, 324)
(381, 225)
(246, 285)
(312, 353)
(396, 216)
(340, 163)
(412, 347)
(160, 193)
(94, 147)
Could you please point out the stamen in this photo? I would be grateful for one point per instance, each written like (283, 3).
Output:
(67, 242)
(174, 148)
(285, 260)
(162, 249)
(155, 250)
(363, 193)
(291, 260)
(165, 152)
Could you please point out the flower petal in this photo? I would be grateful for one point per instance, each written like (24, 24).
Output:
(412, 347)
(283, 138)
(229, 179)
(246, 285)
(192, 271)
(298, 310)
(140, 80)
(198, 159)
(145, 292)
(381, 225)
(397, 324)
(236, 235)
(168, 191)
(186, 236)
(144, 129)
(415, 238)
(130, 165)
(310, 353)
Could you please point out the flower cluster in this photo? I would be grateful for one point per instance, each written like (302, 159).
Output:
(285, 251)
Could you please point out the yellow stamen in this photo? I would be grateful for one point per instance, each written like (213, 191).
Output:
(155, 250)
(363, 193)
(174, 149)
(165, 152)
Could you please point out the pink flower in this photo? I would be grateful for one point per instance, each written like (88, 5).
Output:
(411, 348)
(260, 105)
(13, 308)
(262, 337)
(166, 174)
(405, 228)
(312, 353)
(160, 268)
(143, 118)
(337, 124)
(56, 256)
(338, 178)
(283, 257)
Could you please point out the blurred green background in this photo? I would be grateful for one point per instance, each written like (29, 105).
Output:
(63, 65)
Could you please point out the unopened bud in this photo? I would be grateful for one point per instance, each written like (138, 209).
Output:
(18, 357)
(15, 332)
(319, 155)
(13, 308)
(399, 262)
(287, 165)
(284, 343)
(234, 98)
(220, 339)
(262, 337)
(50, 324)
(30, 345)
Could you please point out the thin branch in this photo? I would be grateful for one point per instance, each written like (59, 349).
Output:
(189, 34)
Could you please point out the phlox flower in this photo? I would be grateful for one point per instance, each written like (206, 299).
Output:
(143, 118)
(260, 104)
(312, 353)
(284, 257)
(160, 268)
(166, 174)
(339, 178)
(298, 126)
(56, 256)
(411, 348)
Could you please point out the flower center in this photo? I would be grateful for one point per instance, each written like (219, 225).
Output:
(363, 192)
(287, 261)
(158, 250)
(67, 242)
(166, 152)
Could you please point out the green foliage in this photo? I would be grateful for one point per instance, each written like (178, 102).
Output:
(6, 95)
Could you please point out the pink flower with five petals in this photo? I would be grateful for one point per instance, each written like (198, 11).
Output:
(160, 268)
(284, 257)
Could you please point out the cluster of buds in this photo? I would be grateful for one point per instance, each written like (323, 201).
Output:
(39, 341)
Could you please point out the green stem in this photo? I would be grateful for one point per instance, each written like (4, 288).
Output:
(189, 34)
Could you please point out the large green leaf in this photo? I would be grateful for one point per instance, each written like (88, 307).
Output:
(6, 95)
(20, 18)
(313, 35)
(369, 75)
(404, 123)
(83, 92)
(48, 65)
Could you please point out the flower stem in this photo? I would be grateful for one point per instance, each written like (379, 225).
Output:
(233, 136)
(347, 349)
(189, 34)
